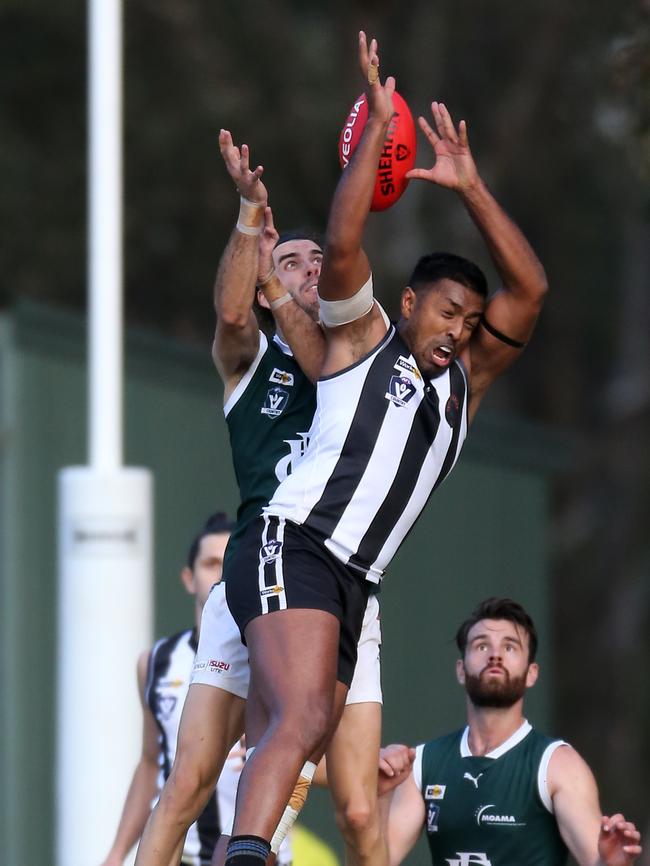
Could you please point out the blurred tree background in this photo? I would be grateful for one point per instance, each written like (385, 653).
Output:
(557, 99)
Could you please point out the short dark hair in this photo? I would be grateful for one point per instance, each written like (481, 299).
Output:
(301, 234)
(499, 608)
(215, 524)
(440, 266)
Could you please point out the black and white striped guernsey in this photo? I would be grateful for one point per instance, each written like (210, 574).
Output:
(382, 440)
(168, 679)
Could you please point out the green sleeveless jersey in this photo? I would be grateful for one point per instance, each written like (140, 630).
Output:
(268, 415)
(493, 810)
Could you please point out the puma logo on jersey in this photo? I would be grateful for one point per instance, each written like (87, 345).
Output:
(473, 779)
(275, 402)
(465, 858)
(400, 390)
(281, 377)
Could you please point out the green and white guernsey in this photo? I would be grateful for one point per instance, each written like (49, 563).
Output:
(493, 810)
(274, 392)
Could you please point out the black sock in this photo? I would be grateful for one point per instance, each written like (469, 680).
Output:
(247, 851)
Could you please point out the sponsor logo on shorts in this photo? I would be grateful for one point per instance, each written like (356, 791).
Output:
(400, 390)
(217, 666)
(434, 792)
(275, 402)
(271, 590)
(270, 551)
(281, 377)
(496, 819)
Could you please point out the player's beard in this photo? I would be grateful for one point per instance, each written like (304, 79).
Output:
(497, 694)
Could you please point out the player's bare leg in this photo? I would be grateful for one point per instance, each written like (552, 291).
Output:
(352, 766)
(293, 658)
(212, 721)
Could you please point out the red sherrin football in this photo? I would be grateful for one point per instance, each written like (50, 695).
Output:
(397, 157)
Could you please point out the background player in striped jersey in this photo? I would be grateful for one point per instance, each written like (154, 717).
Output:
(163, 680)
(498, 792)
(269, 404)
(393, 409)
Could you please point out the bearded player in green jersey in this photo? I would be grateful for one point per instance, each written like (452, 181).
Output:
(498, 792)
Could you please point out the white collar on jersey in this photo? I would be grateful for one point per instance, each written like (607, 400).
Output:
(522, 731)
(285, 347)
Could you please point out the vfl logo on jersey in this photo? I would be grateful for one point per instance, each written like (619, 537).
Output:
(297, 448)
(465, 858)
(433, 811)
(473, 779)
(166, 704)
(491, 819)
(452, 409)
(275, 402)
(270, 551)
(434, 792)
(281, 377)
(400, 390)
(403, 363)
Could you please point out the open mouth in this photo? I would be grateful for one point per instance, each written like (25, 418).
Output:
(442, 355)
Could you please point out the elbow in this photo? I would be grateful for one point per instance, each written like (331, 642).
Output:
(232, 320)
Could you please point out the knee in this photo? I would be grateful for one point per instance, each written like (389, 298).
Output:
(358, 819)
(307, 726)
(187, 790)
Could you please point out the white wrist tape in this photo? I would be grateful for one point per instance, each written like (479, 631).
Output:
(334, 313)
(251, 217)
(280, 302)
(296, 802)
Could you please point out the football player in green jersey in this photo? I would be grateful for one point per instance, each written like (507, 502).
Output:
(499, 793)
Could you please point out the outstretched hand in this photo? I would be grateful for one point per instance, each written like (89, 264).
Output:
(618, 842)
(454, 165)
(237, 162)
(380, 96)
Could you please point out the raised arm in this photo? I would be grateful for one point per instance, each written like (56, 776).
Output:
(236, 339)
(592, 839)
(301, 332)
(144, 783)
(354, 323)
(345, 266)
(512, 311)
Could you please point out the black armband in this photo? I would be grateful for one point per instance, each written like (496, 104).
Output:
(516, 344)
